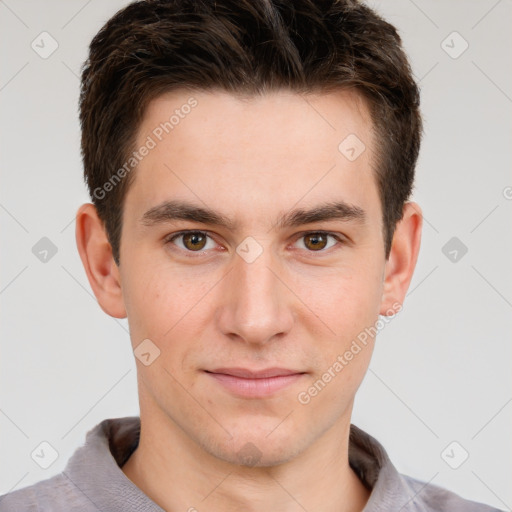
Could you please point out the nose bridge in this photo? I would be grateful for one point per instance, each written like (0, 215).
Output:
(256, 304)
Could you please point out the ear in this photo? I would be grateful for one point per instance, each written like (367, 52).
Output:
(100, 267)
(402, 259)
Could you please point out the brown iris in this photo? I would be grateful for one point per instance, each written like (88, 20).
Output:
(315, 241)
(194, 241)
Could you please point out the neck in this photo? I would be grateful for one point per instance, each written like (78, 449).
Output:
(177, 474)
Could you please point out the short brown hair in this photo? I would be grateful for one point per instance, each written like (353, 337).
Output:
(244, 47)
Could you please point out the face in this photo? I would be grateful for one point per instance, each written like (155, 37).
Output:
(256, 289)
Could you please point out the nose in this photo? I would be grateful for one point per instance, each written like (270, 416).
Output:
(256, 305)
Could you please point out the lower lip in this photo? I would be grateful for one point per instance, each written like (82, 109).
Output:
(255, 388)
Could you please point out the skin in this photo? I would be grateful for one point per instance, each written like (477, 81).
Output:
(294, 307)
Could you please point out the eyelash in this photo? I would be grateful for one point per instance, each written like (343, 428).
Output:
(169, 239)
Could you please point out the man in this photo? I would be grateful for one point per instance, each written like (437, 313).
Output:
(250, 165)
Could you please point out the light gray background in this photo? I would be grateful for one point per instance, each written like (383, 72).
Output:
(441, 371)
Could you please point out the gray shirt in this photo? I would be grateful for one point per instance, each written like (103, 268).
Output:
(93, 481)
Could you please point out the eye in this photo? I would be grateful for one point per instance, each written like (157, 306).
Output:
(191, 241)
(200, 241)
(318, 241)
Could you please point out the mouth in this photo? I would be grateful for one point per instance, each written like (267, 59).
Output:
(254, 383)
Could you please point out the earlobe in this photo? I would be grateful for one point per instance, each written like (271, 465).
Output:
(402, 259)
(96, 255)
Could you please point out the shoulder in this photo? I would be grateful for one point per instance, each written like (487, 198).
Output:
(392, 490)
(55, 494)
(430, 497)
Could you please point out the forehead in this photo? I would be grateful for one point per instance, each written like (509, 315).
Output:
(255, 155)
(250, 120)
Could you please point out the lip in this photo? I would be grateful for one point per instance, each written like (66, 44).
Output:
(254, 383)
(255, 374)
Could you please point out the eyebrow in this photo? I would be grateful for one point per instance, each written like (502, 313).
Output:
(172, 210)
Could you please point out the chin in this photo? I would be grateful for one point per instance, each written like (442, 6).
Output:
(256, 447)
(257, 454)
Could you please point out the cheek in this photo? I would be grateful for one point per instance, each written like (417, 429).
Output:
(165, 305)
(349, 307)
(150, 298)
(345, 300)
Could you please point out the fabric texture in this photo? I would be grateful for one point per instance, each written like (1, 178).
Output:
(93, 481)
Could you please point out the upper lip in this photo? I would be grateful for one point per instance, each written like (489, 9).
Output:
(255, 374)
